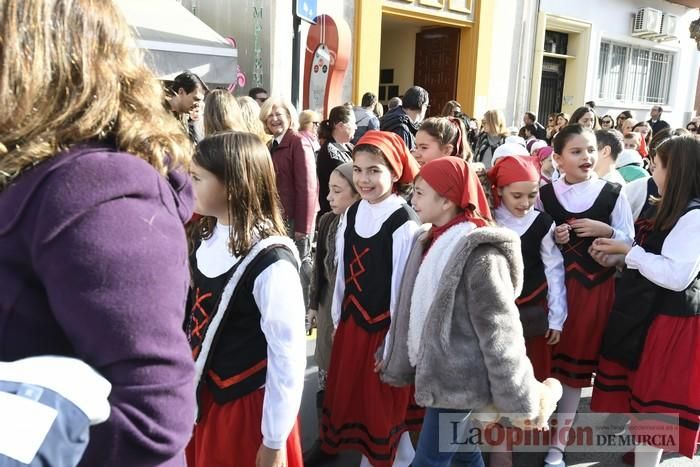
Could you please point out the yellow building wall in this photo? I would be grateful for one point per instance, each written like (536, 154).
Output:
(474, 69)
(368, 33)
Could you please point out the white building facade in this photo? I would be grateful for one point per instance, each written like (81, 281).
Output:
(591, 51)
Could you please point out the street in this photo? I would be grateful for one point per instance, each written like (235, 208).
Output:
(574, 459)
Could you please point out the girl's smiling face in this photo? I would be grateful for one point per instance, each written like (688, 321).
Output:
(428, 148)
(372, 176)
(519, 197)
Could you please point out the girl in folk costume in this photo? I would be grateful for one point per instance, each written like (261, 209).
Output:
(542, 303)
(246, 324)
(649, 357)
(373, 240)
(341, 195)
(548, 172)
(515, 187)
(456, 332)
(584, 208)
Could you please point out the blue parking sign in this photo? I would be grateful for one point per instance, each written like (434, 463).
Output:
(306, 9)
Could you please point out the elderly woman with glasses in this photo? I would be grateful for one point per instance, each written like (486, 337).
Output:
(309, 121)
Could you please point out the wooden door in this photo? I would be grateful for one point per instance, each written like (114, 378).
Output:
(437, 56)
(551, 87)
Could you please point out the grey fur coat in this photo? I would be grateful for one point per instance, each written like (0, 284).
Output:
(457, 334)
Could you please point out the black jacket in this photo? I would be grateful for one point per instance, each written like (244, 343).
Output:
(397, 121)
(658, 126)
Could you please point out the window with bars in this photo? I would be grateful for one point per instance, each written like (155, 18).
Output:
(633, 75)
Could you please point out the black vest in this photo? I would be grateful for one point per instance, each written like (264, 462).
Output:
(578, 262)
(237, 362)
(367, 268)
(638, 300)
(535, 280)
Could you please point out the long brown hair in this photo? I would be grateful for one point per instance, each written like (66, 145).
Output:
(242, 163)
(680, 156)
(449, 130)
(222, 112)
(69, 73)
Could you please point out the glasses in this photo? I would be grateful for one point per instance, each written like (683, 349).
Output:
(316, 123)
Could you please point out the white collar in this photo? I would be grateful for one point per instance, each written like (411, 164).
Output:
(563, 187)
(506, 218)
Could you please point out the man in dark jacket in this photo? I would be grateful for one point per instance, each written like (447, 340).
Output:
(531, 119)
(405, 119)
(655, 121)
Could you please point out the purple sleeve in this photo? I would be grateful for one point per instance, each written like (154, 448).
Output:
(111, 253)
(305, 186)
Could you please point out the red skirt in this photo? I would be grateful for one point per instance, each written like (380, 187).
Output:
(229, 435)
(575, 357)
(612, 388)
(668, 378)
(360, 412)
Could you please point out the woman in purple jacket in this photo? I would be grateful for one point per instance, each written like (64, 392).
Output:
(93, 257)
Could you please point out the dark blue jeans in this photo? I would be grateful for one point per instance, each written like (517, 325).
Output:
(428, 452)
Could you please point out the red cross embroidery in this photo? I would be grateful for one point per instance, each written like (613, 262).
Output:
(199, 326)
(354, 275)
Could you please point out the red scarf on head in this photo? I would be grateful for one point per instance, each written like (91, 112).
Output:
(511, 169)
(396, 153)
(643, 147)
(540, 155)
(452, 178)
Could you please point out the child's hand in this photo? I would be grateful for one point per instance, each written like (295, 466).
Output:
(591, 228)
(267, 457)
(604, 259)
(561, 234)
(552, 337)
(610, 246)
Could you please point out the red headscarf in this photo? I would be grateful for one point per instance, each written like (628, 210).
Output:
(452, 178)
(511, 169)
(643, 147)
(540, 156)
(396, 153)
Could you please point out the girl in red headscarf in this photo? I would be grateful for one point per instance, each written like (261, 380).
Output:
(456, 333)
(373, 240)
(542, 302)
(515, 188)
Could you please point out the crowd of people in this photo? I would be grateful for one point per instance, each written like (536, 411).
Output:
(180, 242)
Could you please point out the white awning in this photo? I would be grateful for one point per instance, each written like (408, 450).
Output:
(176, 40)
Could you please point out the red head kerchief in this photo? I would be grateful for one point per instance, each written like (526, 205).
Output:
(512, 169)
(452, 178)
(397, 154)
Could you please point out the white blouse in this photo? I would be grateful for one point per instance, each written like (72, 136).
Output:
(551, 257)
(581, 196)
(679, 262)
(368, 222)
(278, 294)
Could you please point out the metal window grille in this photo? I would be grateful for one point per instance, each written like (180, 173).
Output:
(633, 75)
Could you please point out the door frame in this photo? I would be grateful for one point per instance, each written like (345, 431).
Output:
(577, 57)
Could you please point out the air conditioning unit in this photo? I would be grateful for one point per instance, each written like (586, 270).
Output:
(647, 23)
(669, 27)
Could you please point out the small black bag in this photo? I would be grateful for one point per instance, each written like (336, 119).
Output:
(534, 320)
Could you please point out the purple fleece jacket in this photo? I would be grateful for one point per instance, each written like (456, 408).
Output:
(93, 265)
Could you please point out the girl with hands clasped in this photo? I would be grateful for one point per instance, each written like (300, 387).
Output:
(515, 185)
(584, 207)
(649, 357)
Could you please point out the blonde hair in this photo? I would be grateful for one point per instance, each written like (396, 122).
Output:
(250, 116)
(282, 104)
(221, 112)
(497, 122)
(307, 118)
(69, 73)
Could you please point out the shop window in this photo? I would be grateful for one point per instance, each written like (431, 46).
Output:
(634, 75)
